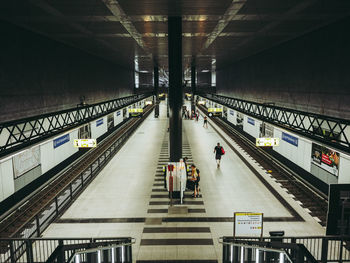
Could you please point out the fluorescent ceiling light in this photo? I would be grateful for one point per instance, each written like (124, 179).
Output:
(205, 70)
(143, 71)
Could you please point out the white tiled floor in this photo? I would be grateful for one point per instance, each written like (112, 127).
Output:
(124, 187)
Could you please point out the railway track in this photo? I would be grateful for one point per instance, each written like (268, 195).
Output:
(306, 194)
(12, 224)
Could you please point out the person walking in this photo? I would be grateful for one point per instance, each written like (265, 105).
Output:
(205, 123)
(219, 151)
(195, 178)
(197, 115)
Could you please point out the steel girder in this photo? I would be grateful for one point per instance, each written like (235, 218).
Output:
(334, 132)
(15, 135)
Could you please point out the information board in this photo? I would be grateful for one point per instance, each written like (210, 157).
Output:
(267, 142)
(85, 143)
(214, 109)
(248, 224)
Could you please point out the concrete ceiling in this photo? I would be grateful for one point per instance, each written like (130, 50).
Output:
(220, 30)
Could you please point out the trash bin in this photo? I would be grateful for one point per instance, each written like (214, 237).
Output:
(276, 234)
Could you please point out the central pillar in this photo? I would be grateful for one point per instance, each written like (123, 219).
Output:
(193, 85)
(156, 90)
(175, 87)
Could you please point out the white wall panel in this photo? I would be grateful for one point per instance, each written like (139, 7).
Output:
(344, 169)
(253, 130)
(51, 156)
(118, 117)
(47, 160)
(300, 155)
(97, 131)
(232, 116)
(7, 181)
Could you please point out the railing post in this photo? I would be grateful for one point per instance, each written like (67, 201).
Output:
(71, 191)
(12, 252)
(37, 225)
(341, 251)
(60, 256)
(324, 252)
(29, 251)
(56, 204)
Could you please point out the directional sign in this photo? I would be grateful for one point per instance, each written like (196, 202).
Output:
(267, 142)
(214, 109)
(138, 110)
(85, 143)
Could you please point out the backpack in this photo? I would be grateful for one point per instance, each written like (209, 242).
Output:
(198, 176)
(222, 151)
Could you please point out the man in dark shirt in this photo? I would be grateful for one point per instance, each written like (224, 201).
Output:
(218, 154)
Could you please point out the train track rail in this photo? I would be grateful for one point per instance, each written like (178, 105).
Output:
(309, 197)
(13, 223)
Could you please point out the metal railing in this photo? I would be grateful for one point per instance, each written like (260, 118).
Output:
(36, 225)
(261, 251)
(15, 135)
(65, 250)
(332, 131)
(322, 248)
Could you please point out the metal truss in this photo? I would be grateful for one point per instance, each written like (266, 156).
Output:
(16, 135)
(334, 132)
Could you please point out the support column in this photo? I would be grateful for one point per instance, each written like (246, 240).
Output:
(175, 87)
(193, 86)
(156, 90)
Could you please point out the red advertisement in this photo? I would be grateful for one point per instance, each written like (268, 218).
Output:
(325, 158)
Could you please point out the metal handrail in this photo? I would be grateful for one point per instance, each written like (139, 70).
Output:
(92, 250)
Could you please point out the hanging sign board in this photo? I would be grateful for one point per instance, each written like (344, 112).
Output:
(85, 143)
(248, 224)
(267, 142)
(138, 110)
(214, 109)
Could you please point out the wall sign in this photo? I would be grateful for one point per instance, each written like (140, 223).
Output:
(118, 113)
(251, 121)
(232, 112)
(60, 141)
(99, 122)
(290, 139)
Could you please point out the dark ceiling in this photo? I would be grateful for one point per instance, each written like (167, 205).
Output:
(213, 30)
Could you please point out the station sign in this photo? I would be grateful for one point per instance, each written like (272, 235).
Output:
(247, 224)
(148, 102)
(214, 109)
(261, 142)
(85, 143)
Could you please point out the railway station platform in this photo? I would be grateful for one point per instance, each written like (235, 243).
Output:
(128, 197)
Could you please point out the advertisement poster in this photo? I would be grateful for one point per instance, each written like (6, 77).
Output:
(84, 132)
(26, 161)
(110, 121)
(325, 158)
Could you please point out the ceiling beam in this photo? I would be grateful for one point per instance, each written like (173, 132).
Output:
(185, 18)
(230, 13)
(119, 13)
(62, 18)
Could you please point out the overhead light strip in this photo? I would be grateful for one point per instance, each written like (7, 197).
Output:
(117, 11)
(229, 15)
